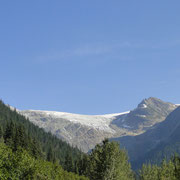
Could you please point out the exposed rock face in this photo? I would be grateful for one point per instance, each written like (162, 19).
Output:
(149, 112)
(85, 131)
(161, 141)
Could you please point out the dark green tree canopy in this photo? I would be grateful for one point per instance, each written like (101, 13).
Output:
(108, 162)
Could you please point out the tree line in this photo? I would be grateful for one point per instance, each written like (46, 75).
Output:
(28, 152)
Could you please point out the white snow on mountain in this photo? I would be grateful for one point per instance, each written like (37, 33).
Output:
(144, 106)
(140, 115)
(126, 126)
(100, 122)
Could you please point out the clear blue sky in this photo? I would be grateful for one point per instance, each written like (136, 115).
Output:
(89, 56)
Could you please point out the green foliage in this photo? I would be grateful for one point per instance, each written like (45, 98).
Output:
(108, 162)
(19, 131)
(17, 165)
(166, 171)
(149, 172)
(176, 162)
(15, 137)
(1, 132)
(20, 165)
(69, 162)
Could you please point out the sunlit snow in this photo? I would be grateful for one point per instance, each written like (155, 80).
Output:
(100, 122)
(144, 106)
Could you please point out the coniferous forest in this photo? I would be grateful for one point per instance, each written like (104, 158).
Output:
(28, 152)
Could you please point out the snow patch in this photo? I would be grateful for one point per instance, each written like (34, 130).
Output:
(144, 106)
(143, 116)
(126, 126)
(100, 122)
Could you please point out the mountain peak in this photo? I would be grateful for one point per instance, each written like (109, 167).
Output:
(152, 101)
(149, 112)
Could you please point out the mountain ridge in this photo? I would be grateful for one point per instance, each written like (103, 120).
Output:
(157, 143)
(85, 131)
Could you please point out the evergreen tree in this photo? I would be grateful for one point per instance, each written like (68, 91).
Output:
(20, 165)
(149, 172)
(176, 162)
(9, 134)
(32, 138)
(69, 166)
(35, 148)
(50, 156)
(108, 162)
(167, 170)
(1, 132)
(20, 138)
(82, 164)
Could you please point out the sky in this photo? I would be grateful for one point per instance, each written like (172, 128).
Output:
(89, 56)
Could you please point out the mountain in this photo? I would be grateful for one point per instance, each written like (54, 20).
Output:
(157, 143)
(85, 131)
(148, 113)
(167, 134)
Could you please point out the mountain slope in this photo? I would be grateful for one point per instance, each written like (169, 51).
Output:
(155, 144)
(49, 144)
(168, 135)
(149, 112)
(85, 131)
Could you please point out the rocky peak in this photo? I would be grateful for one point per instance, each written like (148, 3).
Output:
(149, 112)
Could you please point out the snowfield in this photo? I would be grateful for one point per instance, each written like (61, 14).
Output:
(100, 122)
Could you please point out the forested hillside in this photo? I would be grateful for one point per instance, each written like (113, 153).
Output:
(49, 146)
(19, 164)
